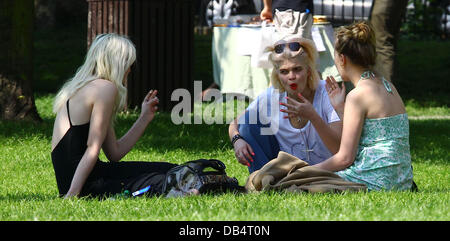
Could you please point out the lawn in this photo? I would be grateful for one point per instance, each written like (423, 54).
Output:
(28, 188)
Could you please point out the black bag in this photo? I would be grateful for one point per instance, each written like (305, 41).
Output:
(198, 177)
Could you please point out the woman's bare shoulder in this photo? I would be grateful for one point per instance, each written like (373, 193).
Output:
(98, 90)
(102, 88)
(102, 83)
(357, 98)
(356, 94)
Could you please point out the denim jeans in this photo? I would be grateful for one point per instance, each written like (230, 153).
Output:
(265, 147)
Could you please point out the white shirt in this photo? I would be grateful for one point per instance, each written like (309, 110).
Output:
(303, 143)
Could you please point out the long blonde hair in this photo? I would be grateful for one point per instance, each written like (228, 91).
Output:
(109, 57)
(307, 54)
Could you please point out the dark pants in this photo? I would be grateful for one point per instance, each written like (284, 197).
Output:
(385, 17)
(115, 177)
(265, 147)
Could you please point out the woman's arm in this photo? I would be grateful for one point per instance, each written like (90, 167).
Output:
(233, 127)
(354, 116)
(266, 12)
(242, 150)
(336, 95)
(100, 118)
(116, 149)
(330, 134)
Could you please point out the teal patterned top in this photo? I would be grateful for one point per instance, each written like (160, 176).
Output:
(383, 159)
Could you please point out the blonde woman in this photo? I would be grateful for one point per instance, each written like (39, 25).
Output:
(85, 108)
(375, 147)
(307, 123)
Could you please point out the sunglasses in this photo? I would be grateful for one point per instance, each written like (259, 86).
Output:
(293, 46)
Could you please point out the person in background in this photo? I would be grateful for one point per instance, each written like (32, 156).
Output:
(386, 18)
(374, 147)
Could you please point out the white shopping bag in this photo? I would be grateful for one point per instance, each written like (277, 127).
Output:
(260, 58)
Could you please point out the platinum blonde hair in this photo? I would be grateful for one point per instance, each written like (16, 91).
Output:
(307, 54)
(109, 57)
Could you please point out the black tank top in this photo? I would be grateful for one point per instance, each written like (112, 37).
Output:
(296, 5)
(68, 153)
(105, 178)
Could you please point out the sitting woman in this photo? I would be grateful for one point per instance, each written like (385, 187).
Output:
(311, 130)
(85, 109)
(374, 148)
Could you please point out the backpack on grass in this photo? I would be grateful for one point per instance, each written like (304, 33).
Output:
(199, 177)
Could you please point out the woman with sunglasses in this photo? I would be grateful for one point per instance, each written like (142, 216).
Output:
(85, 109)
(374, 147)
(303, 119)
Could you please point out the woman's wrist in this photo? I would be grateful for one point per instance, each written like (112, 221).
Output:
(315, 117)
(71, 193)
(235, 138)
(233, 130)
(143, 119)
(340, 110)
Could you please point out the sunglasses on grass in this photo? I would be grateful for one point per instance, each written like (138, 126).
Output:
(293, 46)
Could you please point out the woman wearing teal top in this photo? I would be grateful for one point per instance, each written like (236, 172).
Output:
(374, 146)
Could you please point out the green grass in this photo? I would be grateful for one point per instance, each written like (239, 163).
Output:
(422, 72)
(28, 187)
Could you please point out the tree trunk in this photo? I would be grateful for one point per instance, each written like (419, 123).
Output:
(16, 61)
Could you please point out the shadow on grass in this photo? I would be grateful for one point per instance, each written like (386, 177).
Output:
(162, 135)
(26, 129)
(429, 141)
(428, 138)
(29, 197)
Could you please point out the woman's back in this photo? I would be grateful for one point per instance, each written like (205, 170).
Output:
(80, 106)
(379, 99)
(68, 151)
(383, 159)
(71, 132)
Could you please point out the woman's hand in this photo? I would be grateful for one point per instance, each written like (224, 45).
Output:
(115, 149)
(149, 105)
(70, 195)
(303, 109)
(336, 94)
(243, 152)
